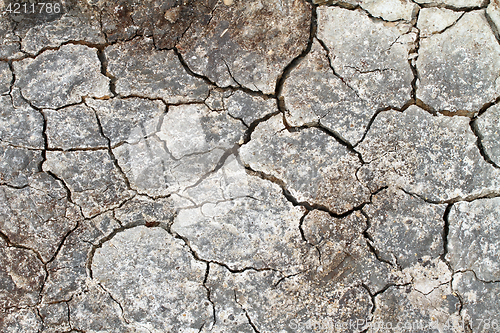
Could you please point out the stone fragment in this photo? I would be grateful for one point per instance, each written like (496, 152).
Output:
(294, 303)
(457, 4)
(165, 21)
(488, 126)
(247, 217)
(5, 78)
(435, 20)
(73, 127)
(369, 56)
(142, 71)
(95, 311)
(191, 141)
(391, 10)
(10, 43)
(18, 164)
(435, 157)
(314, 93)
(428, 274)
(68, 271)
(249, 108)
(344, 254)
(37, 216)
(458, 69)
(22, 275)
(95, 183)
(480, 302)
(247, 44)
(474, 238)
(55, 317)
(403, 228)
(405, 309)
(20, 125)
(155, 278)
(60, 77)
(128, 120)
(493, 15)
(20, 321)
(75, 25)
(144, 211)
(313, 166)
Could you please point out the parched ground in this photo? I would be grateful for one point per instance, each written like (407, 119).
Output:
(250, 166)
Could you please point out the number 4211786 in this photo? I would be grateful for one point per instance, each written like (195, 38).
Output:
(40, 7)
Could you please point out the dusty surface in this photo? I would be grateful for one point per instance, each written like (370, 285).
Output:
(250, 166)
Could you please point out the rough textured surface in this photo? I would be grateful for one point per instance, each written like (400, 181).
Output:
(22, 277)
(313, 166)
(219, 166)
(18, 164)
(140, 70)
(315, 94)
(253, 222)
(20, 125)
(473, 239)
(37, 216)
(481, 310)
(128, 120)
(73, 127)
(370, 56)
(189, 144)
(61, 77)
(95, 190)
(435, 157)
(72, 26)
(435, 20)
(403, 228)
(408, 310)
(237, 36)
(458, 69)
(160, 287)
(458, 4)
(488, 125)
(5, 78)
(493, 14)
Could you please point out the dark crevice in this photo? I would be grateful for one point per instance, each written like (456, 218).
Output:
(444, 235)
(104, 71)
(76, 149)
(486, 106)
(111, 154)
(248, 133)
(116, 301)
(454, 8)
(301, 227)
(488, 194)
(209, 294)
(308, 206)
(479, 143)
(56, 48)
(493, 26)
(190, 72)
(198, 258)
(250, 322)
(214, 85)
(296, 61)
(330, 63)
(66, 188)
(284, 278)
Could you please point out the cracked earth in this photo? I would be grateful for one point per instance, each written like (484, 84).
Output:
(250, 166)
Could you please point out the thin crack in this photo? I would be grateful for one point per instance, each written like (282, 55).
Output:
(250, 322)
(207, 273)
(111, 154)
(479, 142)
